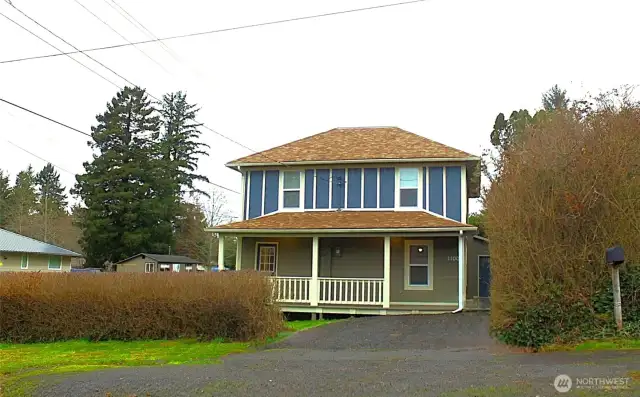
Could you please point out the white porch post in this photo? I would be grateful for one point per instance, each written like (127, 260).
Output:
(386, 284)
(220, 251)
(314, 292)
(462, 285)
(238, 253)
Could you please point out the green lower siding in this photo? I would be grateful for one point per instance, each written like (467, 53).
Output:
(475, 248)
(37, 263)
(363, 257)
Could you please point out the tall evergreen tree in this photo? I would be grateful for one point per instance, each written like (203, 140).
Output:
(180, 143)
(125, 187)
(52, 202)
(22, 203)
(555, 99)
(5, 190)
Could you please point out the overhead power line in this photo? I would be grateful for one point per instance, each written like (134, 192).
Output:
(87, 134)
(36, 156)
(182, 36)
(138, 25)
(150, 94)
(61, 52)
(121, 35)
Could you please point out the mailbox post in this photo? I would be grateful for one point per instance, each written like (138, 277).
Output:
(615, 258)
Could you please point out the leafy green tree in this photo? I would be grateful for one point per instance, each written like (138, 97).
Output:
(180, 145)
(478, 220)
(5, 190)
(124, 188)
(22, 203)
(191, 238)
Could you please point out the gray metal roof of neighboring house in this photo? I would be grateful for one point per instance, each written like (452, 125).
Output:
(166, 259)
(13, 242)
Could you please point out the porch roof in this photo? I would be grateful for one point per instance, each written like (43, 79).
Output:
(344, 221)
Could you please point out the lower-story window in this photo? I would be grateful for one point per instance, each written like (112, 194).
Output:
(24, 261)
(164, 267)
(55, 263)
(267, 257)
(149, 267)
(418, 264)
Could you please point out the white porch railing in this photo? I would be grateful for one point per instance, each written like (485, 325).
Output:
(334, 291)
(292, 289)
(354, 291)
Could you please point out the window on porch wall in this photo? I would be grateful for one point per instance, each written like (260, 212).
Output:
(419, 265)
(267, 254)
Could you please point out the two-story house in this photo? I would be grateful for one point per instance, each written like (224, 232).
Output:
(359, 220)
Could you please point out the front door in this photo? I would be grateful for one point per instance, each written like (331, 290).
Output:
(484, 269)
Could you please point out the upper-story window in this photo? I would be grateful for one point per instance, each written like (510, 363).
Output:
(291, 189)
(409, 182)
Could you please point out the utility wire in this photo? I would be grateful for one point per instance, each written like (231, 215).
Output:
(61, 52)
(255, 25)
(36, 156)
(139, 25)
(150, 94)
(87, 134)
(76, 48)
(121, 35)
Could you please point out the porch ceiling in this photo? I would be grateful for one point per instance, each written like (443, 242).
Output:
(345, 221)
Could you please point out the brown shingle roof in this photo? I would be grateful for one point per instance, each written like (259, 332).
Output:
(328, 220)
(363, 143)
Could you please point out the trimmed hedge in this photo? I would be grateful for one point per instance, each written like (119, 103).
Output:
(46, 307)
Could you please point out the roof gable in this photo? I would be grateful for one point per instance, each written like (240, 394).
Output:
(13, 242)
(353, 144)
(165, 259)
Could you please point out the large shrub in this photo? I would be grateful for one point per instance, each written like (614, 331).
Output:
(569, 189)
(38, 307)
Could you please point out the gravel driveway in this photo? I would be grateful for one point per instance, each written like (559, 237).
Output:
(434, 355)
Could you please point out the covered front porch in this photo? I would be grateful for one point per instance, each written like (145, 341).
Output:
(361, 274)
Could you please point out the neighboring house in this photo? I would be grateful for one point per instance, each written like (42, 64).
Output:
(19, 253)
(361, 221)
(151, 263)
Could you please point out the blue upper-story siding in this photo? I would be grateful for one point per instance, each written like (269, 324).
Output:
(439, 190)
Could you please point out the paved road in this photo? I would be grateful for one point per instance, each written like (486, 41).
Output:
(440, 355)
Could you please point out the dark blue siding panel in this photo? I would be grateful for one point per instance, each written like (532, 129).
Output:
(354, 188)
(454, 193)
(387, 187)
(255, 194)
(322, 188)
(337, 188)
(370, 188)
(424, 188)
(308, 189)
(246, 194)
(435, 190)
(271, 185)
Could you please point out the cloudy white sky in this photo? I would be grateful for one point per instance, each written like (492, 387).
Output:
(440, 68)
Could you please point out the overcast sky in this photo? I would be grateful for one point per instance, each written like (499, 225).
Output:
(442, 68)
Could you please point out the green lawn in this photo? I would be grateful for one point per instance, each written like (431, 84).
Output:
(605, 344)
(20, 362)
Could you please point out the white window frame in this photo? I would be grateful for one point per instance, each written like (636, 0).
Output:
(407, 265)
(149, 269)
(418, 207)
(27, 267)
(188, 268)
(49, 263)
(164, 266)
(282, 190)
(257, 255)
